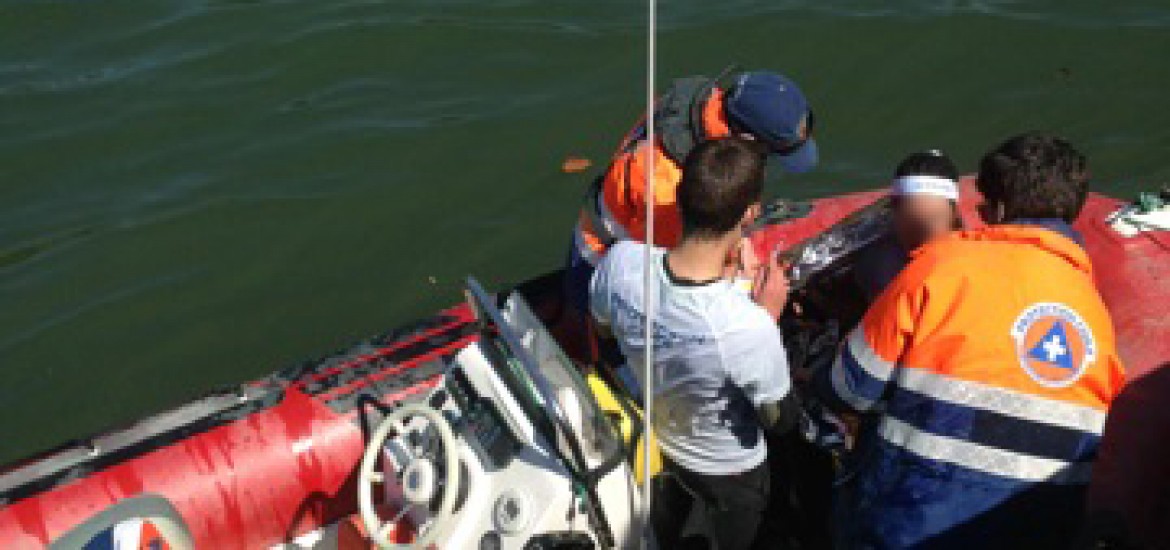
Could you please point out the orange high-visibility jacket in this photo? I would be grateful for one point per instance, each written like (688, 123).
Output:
(615, 208)
(992, 361)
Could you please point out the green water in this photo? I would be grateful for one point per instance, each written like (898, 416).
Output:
(193, 194)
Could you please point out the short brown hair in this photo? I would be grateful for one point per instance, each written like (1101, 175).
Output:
(721, 179)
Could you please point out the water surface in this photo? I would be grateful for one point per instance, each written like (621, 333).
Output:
(193, 194)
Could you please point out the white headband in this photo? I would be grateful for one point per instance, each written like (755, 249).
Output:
(926, 185)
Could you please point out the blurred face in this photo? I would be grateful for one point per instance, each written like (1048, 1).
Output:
(920, 218)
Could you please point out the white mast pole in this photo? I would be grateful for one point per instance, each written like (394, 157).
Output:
(651, 294)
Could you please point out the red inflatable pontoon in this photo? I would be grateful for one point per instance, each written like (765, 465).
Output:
(260, 464)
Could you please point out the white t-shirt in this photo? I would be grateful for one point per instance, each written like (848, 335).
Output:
(718, 356)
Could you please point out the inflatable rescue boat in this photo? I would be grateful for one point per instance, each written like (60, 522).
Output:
(477, 427)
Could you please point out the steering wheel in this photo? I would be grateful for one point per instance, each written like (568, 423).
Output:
(418, 476)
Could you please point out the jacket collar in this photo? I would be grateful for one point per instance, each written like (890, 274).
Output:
(1052, 224)
(1053, 236)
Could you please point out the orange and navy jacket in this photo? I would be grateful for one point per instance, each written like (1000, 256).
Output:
(991, 362)
(615, 208)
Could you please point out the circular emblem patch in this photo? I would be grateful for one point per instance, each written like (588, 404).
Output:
(1054, 344)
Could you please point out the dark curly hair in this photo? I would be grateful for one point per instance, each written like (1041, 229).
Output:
(1035, 176)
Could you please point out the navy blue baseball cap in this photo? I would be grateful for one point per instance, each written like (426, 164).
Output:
(772, 109)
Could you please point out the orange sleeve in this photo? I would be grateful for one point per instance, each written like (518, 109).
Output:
(871, 352)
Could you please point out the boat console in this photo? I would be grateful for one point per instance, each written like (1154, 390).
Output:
(510, 451)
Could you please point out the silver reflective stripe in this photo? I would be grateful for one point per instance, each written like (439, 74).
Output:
(866, 357)
(1003, 401)
(605, 226)
(583, 248)
(858, 348)
(609, 223)
(600, 229)
(983, 459)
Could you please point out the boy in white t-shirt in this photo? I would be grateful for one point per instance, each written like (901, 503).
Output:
(720, 368)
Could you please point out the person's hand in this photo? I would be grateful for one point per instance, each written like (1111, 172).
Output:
(742, 263)
(771, 286)
(852, 423)
(749, 264)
